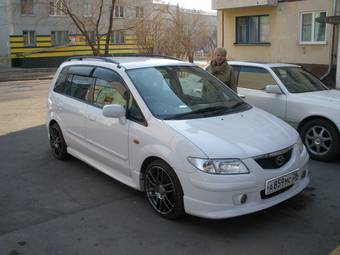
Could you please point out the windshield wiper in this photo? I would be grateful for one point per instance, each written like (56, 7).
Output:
(200, 112)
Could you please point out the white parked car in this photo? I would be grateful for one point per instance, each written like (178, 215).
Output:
(296, 96)
(172, 130)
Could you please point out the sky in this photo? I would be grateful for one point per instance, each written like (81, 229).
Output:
(204, 5)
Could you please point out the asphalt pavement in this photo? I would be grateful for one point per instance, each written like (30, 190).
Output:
(67, 207)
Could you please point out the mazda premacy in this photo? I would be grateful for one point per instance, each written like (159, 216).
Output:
(172, 130)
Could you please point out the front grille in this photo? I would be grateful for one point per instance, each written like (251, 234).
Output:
(274, 160)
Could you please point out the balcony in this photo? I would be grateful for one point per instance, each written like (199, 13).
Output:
(232, 4)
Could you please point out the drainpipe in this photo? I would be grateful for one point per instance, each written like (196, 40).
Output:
(331, 47)
(223, 28)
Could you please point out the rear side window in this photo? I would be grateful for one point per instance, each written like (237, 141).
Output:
(80, 87)
(254, 78)
(73, 81)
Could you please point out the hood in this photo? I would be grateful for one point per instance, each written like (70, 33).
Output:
(323, 96)
(240, 135)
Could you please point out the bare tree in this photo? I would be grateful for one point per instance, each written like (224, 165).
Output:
(97, 20)
(173, 31)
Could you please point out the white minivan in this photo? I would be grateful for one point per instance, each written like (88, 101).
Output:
(172, 130)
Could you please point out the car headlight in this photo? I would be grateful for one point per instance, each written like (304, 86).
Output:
(219, 166)
(300, 145)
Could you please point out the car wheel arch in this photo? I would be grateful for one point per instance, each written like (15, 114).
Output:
(144, 166)
(314, 117)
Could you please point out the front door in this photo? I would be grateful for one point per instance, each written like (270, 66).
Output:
(107, 138)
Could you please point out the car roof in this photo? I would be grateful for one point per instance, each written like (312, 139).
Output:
(142, 62)
(132, 62)
(261, 64)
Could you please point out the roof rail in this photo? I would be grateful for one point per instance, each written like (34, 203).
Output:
(144, 55)
(105, 59)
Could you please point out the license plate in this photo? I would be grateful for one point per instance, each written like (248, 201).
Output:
(281, 182)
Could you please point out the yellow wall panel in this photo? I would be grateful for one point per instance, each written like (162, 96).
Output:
(44, 44)
(17, 44)
(16, 39)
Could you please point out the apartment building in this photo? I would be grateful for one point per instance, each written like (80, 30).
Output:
(278, 31)
(36, 33)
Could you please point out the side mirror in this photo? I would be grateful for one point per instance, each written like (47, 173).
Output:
(273, 89)
(114, 111)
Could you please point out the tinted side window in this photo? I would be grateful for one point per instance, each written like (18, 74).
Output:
(106, 75)
(109, 92)
(80, 87)
(134, 113)
(63, 84)
(254, 78)
(59, 85)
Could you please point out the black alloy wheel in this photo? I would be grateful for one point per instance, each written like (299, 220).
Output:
(57, 142)
(163, 190)
(322, 139)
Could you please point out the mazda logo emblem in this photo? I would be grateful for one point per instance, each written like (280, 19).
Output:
(280, 160)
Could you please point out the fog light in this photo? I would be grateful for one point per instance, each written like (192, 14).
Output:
(303, 174)
(243, 198)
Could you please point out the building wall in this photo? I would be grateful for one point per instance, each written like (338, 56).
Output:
(284, 34)
(4, 33)
(43, 53)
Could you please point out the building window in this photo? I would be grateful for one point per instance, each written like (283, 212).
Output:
(29, 38)
(310, 30)
(139, 12)
(57, 8)
(252, 29)
(92, 36)
(87, 10)
(118, 37)
(118, 11)
(26, 7)
(59, 38)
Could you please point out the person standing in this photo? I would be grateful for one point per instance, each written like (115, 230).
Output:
(219, 67)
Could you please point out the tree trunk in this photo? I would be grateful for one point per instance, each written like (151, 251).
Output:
(109, 32)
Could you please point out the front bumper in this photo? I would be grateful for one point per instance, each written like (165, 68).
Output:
(218, 196)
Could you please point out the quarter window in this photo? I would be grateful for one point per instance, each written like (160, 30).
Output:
(254, 78)
(252, 29)
(26, 7)
(310, 30)
(63, 84)
(29, 38)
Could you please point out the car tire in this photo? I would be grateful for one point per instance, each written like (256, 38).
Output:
(57, 142)
(321, 139)
(163, 190)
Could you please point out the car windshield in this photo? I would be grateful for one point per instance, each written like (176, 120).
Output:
(298, 80)
(184, 92)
